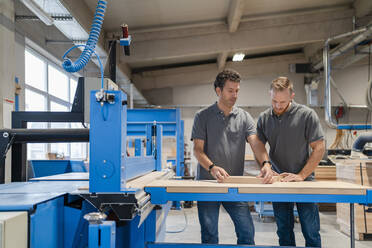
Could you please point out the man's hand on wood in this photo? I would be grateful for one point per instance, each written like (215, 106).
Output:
(219, 173)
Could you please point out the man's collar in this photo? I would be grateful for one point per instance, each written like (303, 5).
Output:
(233, 111)
(289, 111)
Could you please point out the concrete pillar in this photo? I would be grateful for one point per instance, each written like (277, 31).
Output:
(7, 59)
(7, 68)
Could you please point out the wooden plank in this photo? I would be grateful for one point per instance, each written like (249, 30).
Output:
(141, 181)
(243, 179)
(211, 186)
(247, 179)
(325, 173)
(188, 186)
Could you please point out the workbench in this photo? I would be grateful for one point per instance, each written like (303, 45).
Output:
(162, 191)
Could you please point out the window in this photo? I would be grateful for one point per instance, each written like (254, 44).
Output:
(38, 102)
(58, 83)
(49, 88)
(35, 71)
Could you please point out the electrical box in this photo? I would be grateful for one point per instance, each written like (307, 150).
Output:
(13, 229)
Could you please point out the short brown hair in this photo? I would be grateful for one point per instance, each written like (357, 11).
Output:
(281, 83)
(227, 74)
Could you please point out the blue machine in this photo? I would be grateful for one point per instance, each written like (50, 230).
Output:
(56, 205)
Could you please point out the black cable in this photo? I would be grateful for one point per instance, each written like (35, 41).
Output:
(364, 207)
(83, 124)
(8, 146)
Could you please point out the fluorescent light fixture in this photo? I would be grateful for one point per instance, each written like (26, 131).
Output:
(38, 11)
(238, 57)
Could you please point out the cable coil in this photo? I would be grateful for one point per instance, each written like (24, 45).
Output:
(84, 58)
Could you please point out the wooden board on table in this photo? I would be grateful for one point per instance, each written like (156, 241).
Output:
(211, 186)
(247, 179)
(141, 181)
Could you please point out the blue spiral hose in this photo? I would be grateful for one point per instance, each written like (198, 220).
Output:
(84, 58)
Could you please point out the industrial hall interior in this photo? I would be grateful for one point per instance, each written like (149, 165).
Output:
(185, 123)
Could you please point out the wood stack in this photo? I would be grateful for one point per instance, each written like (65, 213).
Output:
(358, 172)
(326, 173)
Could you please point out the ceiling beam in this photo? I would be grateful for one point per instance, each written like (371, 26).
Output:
(221, 60)
(252, 35)
(204, 74)
(235, 14)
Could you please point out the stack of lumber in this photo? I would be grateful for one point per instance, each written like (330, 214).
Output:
(358, 172)
(326, 173)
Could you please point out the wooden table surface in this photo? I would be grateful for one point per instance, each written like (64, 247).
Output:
(212, 186)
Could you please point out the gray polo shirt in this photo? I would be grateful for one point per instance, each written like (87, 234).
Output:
(224, 138)
(289, 136)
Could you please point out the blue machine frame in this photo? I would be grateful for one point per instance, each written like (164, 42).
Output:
(110, 167)
(139, 121)
(111, 123)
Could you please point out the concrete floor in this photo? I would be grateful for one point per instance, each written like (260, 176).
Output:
(265, 231)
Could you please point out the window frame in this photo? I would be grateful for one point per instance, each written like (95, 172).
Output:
(51, 98)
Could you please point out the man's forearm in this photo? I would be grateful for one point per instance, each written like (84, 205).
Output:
(261, 155)
(259, 150)
(203, 159)
(313, 161)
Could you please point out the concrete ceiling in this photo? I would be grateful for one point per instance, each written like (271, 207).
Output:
(174, 37)
(143, 14)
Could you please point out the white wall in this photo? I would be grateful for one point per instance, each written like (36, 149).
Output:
(352, 82)
(254, 93)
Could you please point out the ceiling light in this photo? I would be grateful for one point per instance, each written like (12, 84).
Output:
(238, 57)
(39, 12)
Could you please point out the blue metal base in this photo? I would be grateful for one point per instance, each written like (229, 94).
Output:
(161, 196)
(184, 245)
(102, 235)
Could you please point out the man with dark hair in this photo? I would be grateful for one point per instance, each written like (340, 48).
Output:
(291, 129)
(220, 133)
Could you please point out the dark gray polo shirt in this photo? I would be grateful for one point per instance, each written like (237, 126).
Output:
(224, 138)
(289, 136)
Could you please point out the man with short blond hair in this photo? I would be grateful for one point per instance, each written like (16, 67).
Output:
(281, 83)
(291, 129)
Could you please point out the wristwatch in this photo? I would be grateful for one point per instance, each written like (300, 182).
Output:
(266, 162)
(210, 167)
